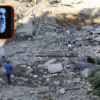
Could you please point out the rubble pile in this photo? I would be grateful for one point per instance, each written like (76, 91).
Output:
(49, 72)
(51, 78)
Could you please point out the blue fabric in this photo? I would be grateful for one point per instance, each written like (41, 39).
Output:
(8, 68)
(8, 77)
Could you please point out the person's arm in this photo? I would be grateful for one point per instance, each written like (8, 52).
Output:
(12, 68)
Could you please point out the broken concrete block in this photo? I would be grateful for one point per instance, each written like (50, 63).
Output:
(23, 45)
(52, 68)
(50, 62)
(85, 72)
(29, 71)
(62, 91)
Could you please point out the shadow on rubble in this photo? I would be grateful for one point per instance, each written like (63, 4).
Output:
(86, 16)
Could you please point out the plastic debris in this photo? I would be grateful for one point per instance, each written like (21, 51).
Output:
(40, 78)
(28, 67)
(68, 32)
(35, 76)
(47, 79)
(69, 45)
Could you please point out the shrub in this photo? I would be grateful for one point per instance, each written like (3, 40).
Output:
(94, 80)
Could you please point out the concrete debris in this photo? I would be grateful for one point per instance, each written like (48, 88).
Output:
(52, 61)
(62, 91)
(25, 66)
(85, 72)
(29, 71)
(53, 68)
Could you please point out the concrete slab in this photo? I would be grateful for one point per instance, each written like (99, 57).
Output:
(52, 68)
